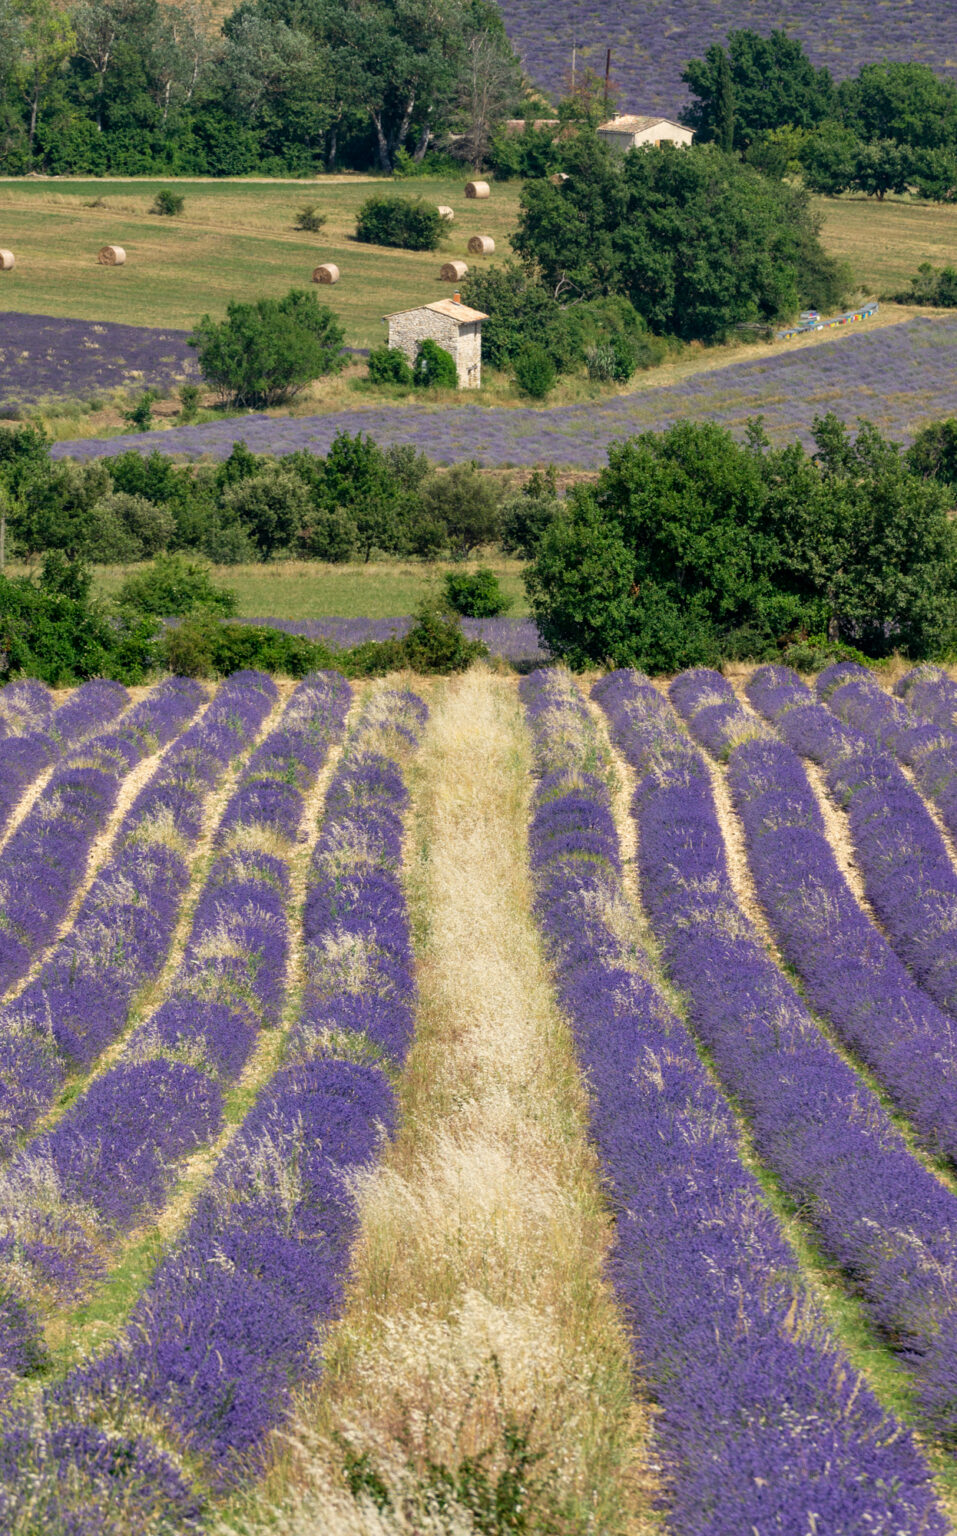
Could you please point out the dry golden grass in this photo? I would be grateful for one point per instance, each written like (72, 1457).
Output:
(477, 1296)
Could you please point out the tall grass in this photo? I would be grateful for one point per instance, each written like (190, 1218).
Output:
(479, 1330)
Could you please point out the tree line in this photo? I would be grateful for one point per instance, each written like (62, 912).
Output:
(890, 128)
(134, 87)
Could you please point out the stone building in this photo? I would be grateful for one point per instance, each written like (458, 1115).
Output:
(456, 328)
(623, 133)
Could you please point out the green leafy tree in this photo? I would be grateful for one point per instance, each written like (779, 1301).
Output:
(269, 506)
(905, 102)
(267, 351)
(829, 159)
(467, 504)
(757, 83)
(45, 42)
(933, 453)
(534, 371)
(883, 166)
(698, 242)
(357, 478)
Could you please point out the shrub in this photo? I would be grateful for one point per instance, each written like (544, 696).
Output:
(467, 504)
(270, 506)
(330, 535)
(140, 418)
(53, 631)
(525, 517)
(389, 365)
(266, 352)
(932, 286)
(310, 219)
(168, 203)
(125, 528)
(174, 586)
(434, 368)
(476, 594)
(534, 371)
(409, 223)
(189, 400)
(435, 643)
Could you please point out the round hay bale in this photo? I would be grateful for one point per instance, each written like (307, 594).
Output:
(7, 261)
(111, 256)
(453, 270)
(482, 245)
(446, 213)
(477, 189)
(328, 272)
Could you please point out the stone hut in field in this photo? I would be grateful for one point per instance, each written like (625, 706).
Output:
(453, 325)
(632, 132)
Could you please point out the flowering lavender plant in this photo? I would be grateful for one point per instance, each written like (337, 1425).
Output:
(760, 1421)
(848, 970)
(24, 757)
(876, 1211)
(45, 858)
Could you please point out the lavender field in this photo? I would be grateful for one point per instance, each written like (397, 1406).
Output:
(234, 1200)
(43, 357)
(651, 42)
(900, 377)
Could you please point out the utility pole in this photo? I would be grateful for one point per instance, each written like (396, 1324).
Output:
(574, 50)
(607, 79)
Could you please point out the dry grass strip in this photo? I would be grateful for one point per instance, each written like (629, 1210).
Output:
(478, 1298)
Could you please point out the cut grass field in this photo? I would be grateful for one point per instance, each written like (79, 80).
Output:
(234, 240)
(307, 589)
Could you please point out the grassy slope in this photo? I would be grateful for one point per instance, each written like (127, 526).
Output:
(234, 240)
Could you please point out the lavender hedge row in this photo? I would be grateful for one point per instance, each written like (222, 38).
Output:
(110, 1160)
(907, 874)
(45, 859)
(931, 695)
(81, 998)
(225, 1329)
(761, 1423)
(24, 757)
(849, 972)
(876, 1211)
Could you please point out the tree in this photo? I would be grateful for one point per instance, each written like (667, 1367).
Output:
(904, 102)
(698, 242)
(266, 352)
(46, 41)
(756, 84)
(270, 506)
(692, 548)
(829, 159)
(487, 87)
(358, 478)
(467, 503)
(881, 167)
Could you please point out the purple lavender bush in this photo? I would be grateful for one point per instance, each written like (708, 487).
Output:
(876, 1212)
(848, 970)
(45, 859)
(42, 356)
(24, 757)
(227, 1327)
(758, 1425)
(80, 1000)
(908, 877)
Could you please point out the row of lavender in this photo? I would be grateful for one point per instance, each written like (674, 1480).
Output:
(848, 969)
(876, 1211)
(908, 877)
(224, 1330)
(761, 1423)
(46, 857)
(36, 736)
(110, 1159)
(80, 1000)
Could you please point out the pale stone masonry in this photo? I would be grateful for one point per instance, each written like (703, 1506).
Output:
(456, 328)
(623, 133)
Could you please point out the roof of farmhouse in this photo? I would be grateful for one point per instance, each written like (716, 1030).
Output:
(632, 124)
(460, 312)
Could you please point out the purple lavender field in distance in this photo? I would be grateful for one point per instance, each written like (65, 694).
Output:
(515, 640)
(652, 40)
(41, 356)
(900, 377)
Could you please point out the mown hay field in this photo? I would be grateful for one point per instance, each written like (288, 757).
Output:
(447, 1105)
(234, 240)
